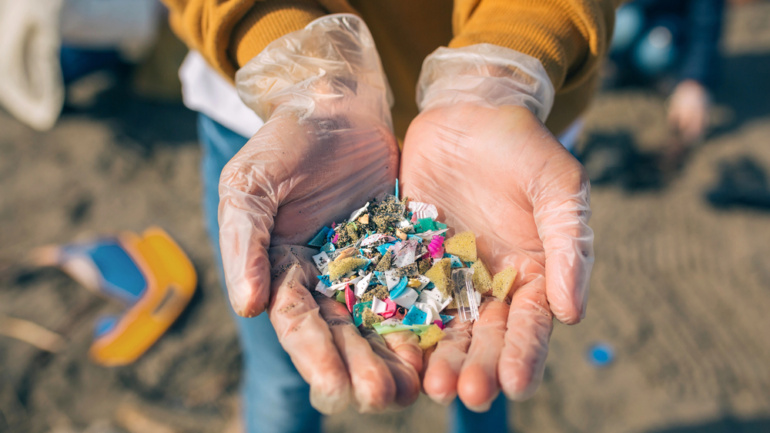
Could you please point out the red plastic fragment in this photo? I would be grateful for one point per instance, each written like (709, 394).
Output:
(350, 298)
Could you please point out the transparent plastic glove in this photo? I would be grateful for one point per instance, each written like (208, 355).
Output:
(480, 152)
(688, 112)
(325, 149)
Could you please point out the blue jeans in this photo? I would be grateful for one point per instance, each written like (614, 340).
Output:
(275, 397)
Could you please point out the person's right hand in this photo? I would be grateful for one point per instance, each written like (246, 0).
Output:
(326, 148)
(688, 111)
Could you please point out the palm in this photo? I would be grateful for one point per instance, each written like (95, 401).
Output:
(293, 177)
(499, 173)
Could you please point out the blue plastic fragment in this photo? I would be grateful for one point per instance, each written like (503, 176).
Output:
(600, 355)
(320, 238)
(415, 237)
(399, 288)
(397, 190)
(384, 247)
(415, 316)
(325, 279)
(446, 318)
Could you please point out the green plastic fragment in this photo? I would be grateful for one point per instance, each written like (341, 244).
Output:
(387, 329)
(340, 296)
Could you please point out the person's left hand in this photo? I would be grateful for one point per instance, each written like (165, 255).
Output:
(688, 111)
(498, 172)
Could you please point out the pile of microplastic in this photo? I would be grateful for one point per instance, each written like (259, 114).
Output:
(392, 266)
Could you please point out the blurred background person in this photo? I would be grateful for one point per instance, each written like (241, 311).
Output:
(46, 45)
(672, 45)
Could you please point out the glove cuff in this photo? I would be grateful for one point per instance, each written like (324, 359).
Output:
(333, 59)
(486, 74)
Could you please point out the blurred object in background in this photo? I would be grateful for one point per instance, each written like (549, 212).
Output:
(149, 274)
(673, 46)
(46, 45)
(742, 182)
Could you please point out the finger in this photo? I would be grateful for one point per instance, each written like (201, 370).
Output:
(478, 385)
(404, 373)
(443, 364)
(406, 345)
(303, 333)
(561, 207)
(522, 361)
(245, 222)
(374, 388)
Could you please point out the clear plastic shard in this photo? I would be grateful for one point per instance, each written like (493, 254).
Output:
(465, 295)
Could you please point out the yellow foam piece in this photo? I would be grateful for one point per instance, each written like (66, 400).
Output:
(340, 268)
(441, 276)
(502, 283)
(430, 337)
(482, 280)
(462, 245)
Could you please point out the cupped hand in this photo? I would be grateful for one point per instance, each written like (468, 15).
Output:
(293, 177)
(501, 174)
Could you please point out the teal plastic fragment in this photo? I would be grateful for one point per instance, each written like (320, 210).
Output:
(399, 288)
(320, 239)
(415, 237)
(415, 316)
(397, 190)
(424, 225)
(358, 311)
(328, 247)
(446, 318)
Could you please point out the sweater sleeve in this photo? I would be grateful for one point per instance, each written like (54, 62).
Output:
(228, 33)
(569, 37)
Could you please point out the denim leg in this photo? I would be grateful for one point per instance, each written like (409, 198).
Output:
(462, 420)
(275, 397)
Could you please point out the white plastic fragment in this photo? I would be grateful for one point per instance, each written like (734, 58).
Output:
(341, 286)
(378, 306)
(406, 254)
(391, 279)
(423, 210)
(465, 295)
(363, 284)
(427, 236)
(358, 212)
(323, 288)
(322, 262)
(407, 298)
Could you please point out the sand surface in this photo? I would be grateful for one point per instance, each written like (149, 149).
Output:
(680, 290)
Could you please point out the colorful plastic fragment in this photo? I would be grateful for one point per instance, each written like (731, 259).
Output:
(392, 266)
(436, 247)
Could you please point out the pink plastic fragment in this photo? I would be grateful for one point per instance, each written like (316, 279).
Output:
(436, 247)
(390, 309)
(414, 218)
(439, 323)
(350, 298)
(335, 238)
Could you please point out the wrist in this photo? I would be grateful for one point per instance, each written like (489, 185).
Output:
(487, 75)
(330, 65)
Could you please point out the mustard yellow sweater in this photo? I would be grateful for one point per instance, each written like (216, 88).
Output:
(568, 36)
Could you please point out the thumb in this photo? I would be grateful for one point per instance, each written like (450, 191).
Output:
(561, 207)
(247, 206)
